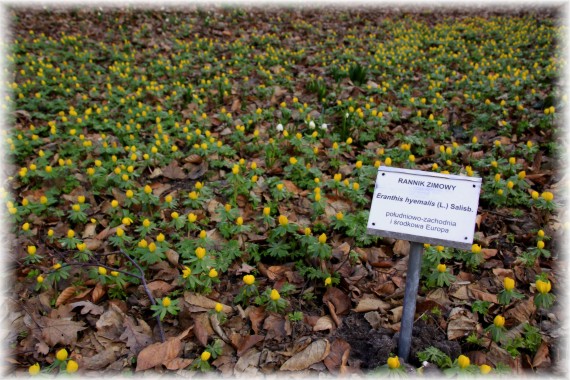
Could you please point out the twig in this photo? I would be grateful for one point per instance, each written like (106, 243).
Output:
(146, 289)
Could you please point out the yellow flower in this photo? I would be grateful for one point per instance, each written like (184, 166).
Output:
(323, 238)
(476, 248)
(510, 184)
(534, 195)
(474, 140)
(114, 273)
(439, 248)
(40, 279)
(160, 238)
(34, 369)
(307, 231)
(228, 207)
(193, 195)
(283, 221)
(349, 140)
(266, 211)
(235, 169)
(411, 158)
(337, 177)
(61, 355)
(129, 194)
(166, 301)
(292, 160)
(388, 161)
(393, 362)
(239, 221)
(213, 273)
(328, 281)
(120, 232)
(81, 246)
(248, 279)
(512, 160)
(543, 287)
(102, 271)
(358, 164)
(441, 268)
(274, 295)
(339, 216)
(509, 284)
(521, 175)
(56, 266)
(72, 366)
(192, 217)
(70, 234)
(147, 189)
(200, 252)
(152, 247)
(26, 226)
(547, 196)
(114, 203)
(168, 198)
(126, 221)
(540, 244)
(186, 272)
(485, 369)
(202, 234)
(499, 321)
(205, 356)
(540, 233)
(279, 186)
(174, 215)
(219, 307)
(318, 197)
(463, 361)
(31, 250)
(43, 199)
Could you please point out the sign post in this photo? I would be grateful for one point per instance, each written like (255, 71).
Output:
(422, 207)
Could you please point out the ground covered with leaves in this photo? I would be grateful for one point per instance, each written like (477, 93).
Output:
(188, 190)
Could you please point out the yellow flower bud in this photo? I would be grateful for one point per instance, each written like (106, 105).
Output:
(388, 161)
(61, 355)
(213, 273)
(205, 356)
(323, 238)
(219, 307)
(543, 287)
(102, 271)
(358, 164)
(32, 250)
(499, 321)
(540, 244)
(266, 211)
(441, 268)
(120, 232)
(274, 295)
(283, 221)
(34, 369)
(235, 169)
(540, 233)
(339, 216)
(547, 196)
(70, 234)
(328, 281)
(40, 279)
(114, 203)
(476, 248)
(147, 189)
(534, 195)
(248, 279)
(72, 366)
(192, 217)
(200, 252)
(166, 301)
(393, 362)
(292, 160)
(484, 369)
(463, 361)
(509, 283)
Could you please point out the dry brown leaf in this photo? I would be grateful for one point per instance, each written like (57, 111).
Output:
(483, 296)
(489, 252)
(522, 311)
(136, 336)
(542, 356)
(65, 295)
(159, 353)
(324, 323)
(204, 302)
(159, 288)
(396, 314)
(111, 322)
(370, 303)
(248, 363)
(314, 353)
(89, 231)
(256, 315)
(247, 342)
(277, 327)
(334, 359)
(98, 292)
(93, 244)
(178, 363)
(401, 247)
(89, 307)
(338, 298)
(461, 323)
(173, 171)
(98, 361)
(202, 328)
(60, 331)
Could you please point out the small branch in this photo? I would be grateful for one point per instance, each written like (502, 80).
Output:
(147, 290)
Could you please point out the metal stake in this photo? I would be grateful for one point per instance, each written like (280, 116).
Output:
(411, 291)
